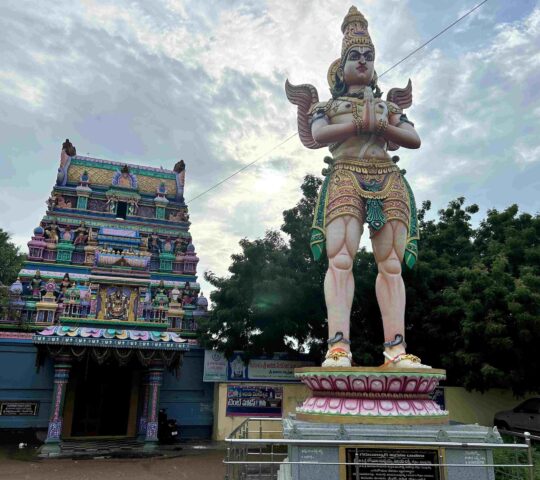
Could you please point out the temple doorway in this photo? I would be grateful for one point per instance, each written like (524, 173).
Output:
(103, 400)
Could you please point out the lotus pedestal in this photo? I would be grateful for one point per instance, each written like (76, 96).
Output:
(371, 395)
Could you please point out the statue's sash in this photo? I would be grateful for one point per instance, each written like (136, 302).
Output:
(317, 238)
(413, 235)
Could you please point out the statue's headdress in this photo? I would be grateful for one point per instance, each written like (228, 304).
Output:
(355, 34)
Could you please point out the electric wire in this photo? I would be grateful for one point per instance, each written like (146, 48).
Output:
(244, 167)
(434, 37)
(291, 136)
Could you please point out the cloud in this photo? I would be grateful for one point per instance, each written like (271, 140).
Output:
(152, 82)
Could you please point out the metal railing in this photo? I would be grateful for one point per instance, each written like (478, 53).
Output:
(257, 450)
(512, 474)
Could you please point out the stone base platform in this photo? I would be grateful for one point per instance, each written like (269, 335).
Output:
(325, 461)
(371, 395)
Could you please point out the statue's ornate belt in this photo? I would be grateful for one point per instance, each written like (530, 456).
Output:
(367, 166)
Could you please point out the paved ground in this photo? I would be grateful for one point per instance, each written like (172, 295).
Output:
(192, 465)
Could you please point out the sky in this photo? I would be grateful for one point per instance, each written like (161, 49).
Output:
(154, 82)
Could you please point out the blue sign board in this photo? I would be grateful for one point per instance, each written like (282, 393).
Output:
(254, 401)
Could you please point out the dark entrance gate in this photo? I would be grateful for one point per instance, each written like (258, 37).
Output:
(102, 395)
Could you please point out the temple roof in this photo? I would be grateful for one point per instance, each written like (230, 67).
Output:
(106, 173)
(135, 168)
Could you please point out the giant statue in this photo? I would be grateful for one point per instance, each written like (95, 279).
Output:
(362, 185)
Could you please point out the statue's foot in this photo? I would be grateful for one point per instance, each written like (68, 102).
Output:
(337, 357)
(403, 360)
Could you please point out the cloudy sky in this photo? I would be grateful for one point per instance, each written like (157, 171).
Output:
(152, 82)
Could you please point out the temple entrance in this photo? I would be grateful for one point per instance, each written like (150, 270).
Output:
(103, 400)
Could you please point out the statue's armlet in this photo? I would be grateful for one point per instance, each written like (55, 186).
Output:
(393, 108)
(396, 115)
(403, 119)
(400, 120)
(317, 112)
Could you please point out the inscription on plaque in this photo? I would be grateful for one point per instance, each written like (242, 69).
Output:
(392, 464)
(474, 457)
(311, 454)
(18, 408)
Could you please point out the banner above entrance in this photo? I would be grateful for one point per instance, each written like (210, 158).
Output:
(259, 369)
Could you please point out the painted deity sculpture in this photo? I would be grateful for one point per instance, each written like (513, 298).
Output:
(362, 185)
(52, 232)
(65, 284)
(81, 234)
(66, 234)
(37, 284)
(117, 305)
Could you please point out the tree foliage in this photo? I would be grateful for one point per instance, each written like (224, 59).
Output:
(10, 259)
(10, 263)
(272, 299)
(473, 299)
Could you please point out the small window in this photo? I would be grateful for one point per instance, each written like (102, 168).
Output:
(121, 210)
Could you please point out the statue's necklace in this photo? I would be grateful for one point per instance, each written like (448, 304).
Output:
(359, 94)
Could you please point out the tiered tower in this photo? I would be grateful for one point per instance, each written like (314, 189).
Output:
(115, 239)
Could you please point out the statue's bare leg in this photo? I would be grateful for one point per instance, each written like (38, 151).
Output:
(342, 239)
(389, 248)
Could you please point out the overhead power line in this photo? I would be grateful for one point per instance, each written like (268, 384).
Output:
(244, 167)
(434, 37)
(292, 135)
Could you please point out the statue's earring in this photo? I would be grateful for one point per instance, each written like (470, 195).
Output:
(339, 73)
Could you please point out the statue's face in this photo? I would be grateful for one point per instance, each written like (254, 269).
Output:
(359, 66)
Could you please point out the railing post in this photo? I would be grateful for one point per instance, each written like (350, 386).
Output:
(529, 455)
(441, 461)
(272, 466)
(228, 467)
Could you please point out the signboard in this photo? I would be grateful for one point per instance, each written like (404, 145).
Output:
(259, 369)
(18, 408)
(278, 370)
(215, 366)
(413, 463)
(254, 400)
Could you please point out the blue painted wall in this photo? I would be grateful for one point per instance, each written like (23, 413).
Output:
(189, 400)
(186, 398)
(20, 380)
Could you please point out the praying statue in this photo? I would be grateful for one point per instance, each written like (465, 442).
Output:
(362, 185)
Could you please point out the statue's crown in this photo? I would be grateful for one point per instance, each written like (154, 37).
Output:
(355, 31)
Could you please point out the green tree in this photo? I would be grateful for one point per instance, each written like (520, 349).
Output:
(11, 259)
(272, 299)
(500, 294)
(433, 314)
(10, 263)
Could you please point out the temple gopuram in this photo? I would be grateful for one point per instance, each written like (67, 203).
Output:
(106, 306)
